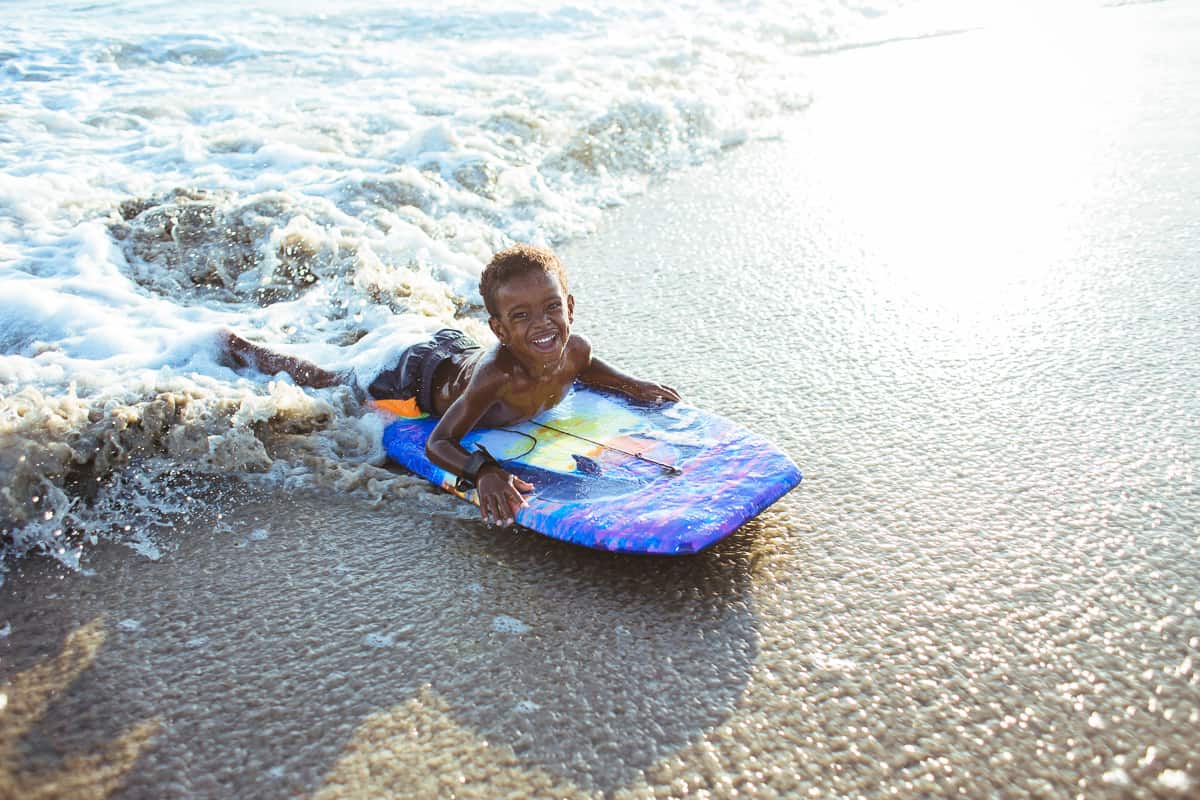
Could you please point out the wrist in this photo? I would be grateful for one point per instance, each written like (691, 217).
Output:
(477, 464)
(490, 468)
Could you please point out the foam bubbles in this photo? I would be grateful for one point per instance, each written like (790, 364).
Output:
(329, 185)
(379, 640)
(1174, 780)
(502, 623)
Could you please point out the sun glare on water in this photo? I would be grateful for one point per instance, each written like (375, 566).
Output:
(992, 163)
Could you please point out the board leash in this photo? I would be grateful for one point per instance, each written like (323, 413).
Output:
(671, 468)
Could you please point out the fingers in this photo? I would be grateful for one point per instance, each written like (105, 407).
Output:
(497, 509)
(493, 510)
(510, 502)
(512, 508)
(664, 394)
(500, 503)
(501, 509)
(515, 501)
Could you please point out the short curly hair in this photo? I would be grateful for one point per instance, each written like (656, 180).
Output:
(513, 262)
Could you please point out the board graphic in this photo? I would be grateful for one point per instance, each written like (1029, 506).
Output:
(617, 475)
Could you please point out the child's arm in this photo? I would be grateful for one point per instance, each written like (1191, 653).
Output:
(499, 491)
(604, 376)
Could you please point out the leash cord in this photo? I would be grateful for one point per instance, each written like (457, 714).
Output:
(671, 468)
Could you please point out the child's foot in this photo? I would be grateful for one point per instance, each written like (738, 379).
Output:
(233, 350)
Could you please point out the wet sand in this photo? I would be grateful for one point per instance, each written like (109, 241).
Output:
(962, 298)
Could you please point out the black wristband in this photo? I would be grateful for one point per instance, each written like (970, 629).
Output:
(470, 473)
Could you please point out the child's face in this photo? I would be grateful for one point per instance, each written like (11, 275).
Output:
(533, 317)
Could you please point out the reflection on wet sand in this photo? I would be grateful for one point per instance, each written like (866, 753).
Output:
(594, 732)
(344, 650)
(418, 749)
(986, 587)
(24, 700)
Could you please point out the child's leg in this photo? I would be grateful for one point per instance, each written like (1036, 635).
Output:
(247, 354)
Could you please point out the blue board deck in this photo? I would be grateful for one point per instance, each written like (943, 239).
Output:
(622, 476)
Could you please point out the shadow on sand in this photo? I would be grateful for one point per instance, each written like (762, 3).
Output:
(323, 639)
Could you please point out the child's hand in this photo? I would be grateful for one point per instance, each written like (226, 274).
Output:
(650, 392)
(500, 496)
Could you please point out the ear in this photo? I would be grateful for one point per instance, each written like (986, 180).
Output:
(497, 328)
(570, 308)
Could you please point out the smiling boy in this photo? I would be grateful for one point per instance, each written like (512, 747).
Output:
(529, 370)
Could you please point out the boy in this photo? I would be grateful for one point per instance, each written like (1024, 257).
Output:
(530, 370)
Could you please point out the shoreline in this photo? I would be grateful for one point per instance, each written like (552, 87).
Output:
(985, 583)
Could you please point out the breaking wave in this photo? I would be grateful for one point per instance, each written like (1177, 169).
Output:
(327, 183)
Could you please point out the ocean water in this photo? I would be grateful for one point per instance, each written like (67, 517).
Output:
(954, 276)
(328, 182)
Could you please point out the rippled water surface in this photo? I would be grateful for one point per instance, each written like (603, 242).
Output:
(959, 291)
(324, 181)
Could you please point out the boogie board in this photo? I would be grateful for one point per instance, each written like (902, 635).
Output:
(616, 475)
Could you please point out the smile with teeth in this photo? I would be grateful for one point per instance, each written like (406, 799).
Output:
(545, 342)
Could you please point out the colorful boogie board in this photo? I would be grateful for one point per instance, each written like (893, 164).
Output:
(616, 475)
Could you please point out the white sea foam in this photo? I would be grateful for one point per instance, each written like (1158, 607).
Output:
(329, 183)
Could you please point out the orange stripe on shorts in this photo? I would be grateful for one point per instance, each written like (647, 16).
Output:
(406, 407)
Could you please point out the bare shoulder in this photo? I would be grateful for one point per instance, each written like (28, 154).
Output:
(479, 384)
(579, 352)
(490, 374)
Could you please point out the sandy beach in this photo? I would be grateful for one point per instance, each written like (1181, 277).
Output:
(969, 316)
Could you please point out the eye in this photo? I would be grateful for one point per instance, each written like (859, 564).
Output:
(518, 316)
(554, 306)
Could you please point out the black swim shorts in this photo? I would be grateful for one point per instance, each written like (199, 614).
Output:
(413, 374)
